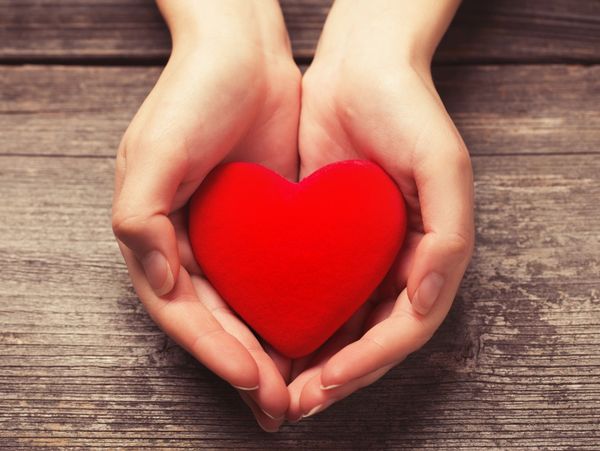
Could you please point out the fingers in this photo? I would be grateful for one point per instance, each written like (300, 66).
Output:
(397, 331)
(314, 399)
(267, 424)
(445, 183)
(271, 396)
(283, 364)
(144, 191)
(179, 220)
(387, 343)
(182, 316)
(347, 334)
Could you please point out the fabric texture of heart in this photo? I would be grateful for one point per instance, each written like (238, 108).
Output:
(296, 260)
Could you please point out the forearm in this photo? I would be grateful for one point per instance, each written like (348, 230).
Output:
(246, 24)
(391, 29)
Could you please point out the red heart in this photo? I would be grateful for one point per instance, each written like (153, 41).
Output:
(296, 260)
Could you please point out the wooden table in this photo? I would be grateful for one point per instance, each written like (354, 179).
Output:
(515, 365)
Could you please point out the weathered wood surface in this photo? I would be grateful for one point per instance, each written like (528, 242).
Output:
(510, 109)
(132, 30)
(516, 364)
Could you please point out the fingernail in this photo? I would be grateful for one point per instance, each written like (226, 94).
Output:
(312, 411)
(245, 388)
(272, 417)
(266, 428)
(330, 387)
(158, 272)
(428, 292)
(319, 408)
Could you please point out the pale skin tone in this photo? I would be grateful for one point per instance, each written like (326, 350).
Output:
(231, 92)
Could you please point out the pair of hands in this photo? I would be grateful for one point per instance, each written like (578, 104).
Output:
(232, 92)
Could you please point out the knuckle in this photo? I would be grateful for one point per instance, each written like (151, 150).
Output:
(125, 225)
(421, 334)
(199, 342)
(460, 244)
(462, 160)
(377, 344)
(159, 139)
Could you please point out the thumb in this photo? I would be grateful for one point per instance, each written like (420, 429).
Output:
(445, 185)
(145, 187)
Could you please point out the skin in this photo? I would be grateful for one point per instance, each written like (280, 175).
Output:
(369, 95)
(232, 92)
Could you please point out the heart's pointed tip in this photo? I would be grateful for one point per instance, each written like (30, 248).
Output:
(295, 350)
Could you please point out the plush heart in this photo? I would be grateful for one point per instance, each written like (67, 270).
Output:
(296, 260)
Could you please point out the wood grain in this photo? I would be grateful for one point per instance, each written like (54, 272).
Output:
(133, 31)
(60, 110)
(516, 364)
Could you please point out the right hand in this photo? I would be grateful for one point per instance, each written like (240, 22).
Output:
(230, 91)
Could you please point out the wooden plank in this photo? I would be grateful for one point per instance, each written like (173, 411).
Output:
(132, 30)
(524, 31)
(524, 109)
(516, 364)
(56, 110)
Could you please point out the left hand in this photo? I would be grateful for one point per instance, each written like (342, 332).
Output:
(362, 103)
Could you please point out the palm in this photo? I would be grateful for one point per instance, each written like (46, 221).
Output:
(198, 116)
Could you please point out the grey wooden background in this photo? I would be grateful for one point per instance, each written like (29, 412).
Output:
(516, 364)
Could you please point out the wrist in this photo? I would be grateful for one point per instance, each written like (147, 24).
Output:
(245, 27)
(388, 32)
